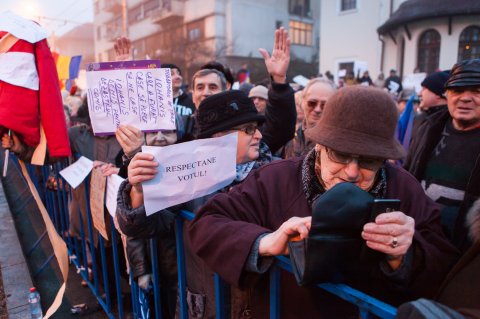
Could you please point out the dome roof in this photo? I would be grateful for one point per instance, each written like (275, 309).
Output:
(416, 10)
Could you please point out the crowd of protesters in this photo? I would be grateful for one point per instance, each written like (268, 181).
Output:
(293, 148)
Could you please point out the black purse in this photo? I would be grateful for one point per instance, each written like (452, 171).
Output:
(334, 250)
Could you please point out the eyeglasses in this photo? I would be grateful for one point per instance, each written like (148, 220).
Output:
(314, 103)
(249, 129)
(369, 163)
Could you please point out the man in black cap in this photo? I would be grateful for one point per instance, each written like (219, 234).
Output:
(432, 97)
(446, 155)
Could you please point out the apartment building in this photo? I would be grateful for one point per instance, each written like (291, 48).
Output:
(191, 32)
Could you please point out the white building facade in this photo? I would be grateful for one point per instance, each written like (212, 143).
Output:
(408, 36)
(191, 32)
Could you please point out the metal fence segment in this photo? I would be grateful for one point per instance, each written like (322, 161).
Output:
(156, 279)
(182, 290)
(149, 304)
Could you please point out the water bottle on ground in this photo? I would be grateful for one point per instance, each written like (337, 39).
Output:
(34, 301)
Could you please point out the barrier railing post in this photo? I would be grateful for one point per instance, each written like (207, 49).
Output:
(219, 297)
(156, 279)
(60, 203)
(134, 296)
(274, 292)
(181, 267)
(117, 269)
(106, 286)
(84, 246)
(90, 235)
(64, 196)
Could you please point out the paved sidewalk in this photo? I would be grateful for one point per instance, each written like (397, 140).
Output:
(15, 273)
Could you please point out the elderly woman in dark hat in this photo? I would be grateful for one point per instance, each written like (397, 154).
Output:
(219, 114)
(236, 233)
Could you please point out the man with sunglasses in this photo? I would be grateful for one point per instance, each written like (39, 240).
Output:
(315, 95)
(445, 154)
(237, 233)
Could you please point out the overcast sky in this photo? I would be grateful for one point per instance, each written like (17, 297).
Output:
(57, 16)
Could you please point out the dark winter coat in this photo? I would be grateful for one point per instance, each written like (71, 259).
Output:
(280, 116)
(225, 229)
(461, 288)
(422, 146)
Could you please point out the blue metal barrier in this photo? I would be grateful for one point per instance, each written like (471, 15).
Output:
(79, 249)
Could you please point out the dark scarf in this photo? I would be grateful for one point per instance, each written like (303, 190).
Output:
(264, 157)
(313, 188)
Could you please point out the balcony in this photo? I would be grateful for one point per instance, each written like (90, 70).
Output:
(170, 12)
(113, 6)
(113, 32)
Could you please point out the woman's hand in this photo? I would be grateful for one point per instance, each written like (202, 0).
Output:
(391, 234)
(142, 168)
(276, 243)
(130, 139)
(109, 169)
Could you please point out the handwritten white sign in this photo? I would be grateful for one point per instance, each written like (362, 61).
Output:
(413, 81)
(76, 173)
(190, 170)
(140, 97)
(113, 184)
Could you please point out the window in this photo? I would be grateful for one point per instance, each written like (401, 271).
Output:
(300, 32)
(135, 14)
(195, 30)
(299, 8)
(150, 6)
(429, 51)
(469, 44)
(194, 34)
(346, 5)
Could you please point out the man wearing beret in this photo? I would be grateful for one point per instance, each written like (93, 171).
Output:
(445, 157)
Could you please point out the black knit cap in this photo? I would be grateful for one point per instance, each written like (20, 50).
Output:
(465, 73)
(223, 111)
(435, 82)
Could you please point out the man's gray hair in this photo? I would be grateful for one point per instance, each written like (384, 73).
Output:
(205, 72)
(318, 80)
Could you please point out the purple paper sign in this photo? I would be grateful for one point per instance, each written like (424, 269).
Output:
(137, 64)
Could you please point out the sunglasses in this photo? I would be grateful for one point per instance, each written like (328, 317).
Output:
(249, 129)
(314, 103)
(369, 163)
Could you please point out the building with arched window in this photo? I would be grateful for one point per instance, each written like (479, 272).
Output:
(405, 35)
(426, 35)
(469, 43)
